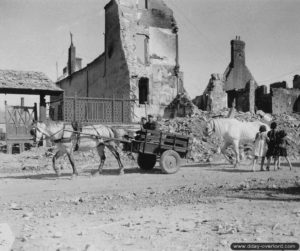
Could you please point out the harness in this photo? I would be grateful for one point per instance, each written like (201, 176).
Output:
(62, 139)
(77, 129)
(96, 130)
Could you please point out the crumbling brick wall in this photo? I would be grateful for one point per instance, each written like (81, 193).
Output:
(157, 26)
(243, 99)
(263, 99)
(214, 97)
(296, 82)
(285, 100)
(277, 85)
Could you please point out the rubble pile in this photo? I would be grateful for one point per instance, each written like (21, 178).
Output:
(204, 148)
(182, 106)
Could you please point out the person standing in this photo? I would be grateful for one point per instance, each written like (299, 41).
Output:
(260, 147)
(271, 144)
(281, 148)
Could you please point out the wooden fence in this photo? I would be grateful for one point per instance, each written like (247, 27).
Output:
(91, 110)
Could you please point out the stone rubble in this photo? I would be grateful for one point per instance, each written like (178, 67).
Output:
(203, 149)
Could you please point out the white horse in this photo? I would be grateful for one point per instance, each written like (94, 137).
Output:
(234, 133)
(66, 139)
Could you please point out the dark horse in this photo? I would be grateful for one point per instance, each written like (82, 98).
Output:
(65, 138)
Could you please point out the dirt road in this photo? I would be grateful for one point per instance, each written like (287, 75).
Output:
(202, 207)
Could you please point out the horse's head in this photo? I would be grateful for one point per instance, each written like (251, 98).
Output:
(50, 129)
(36, 134)
(209, 128)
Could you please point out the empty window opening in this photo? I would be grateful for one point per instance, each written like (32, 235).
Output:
(143, 90)
(143, 4)
(142, 48)
(296, 107)
(110, 50)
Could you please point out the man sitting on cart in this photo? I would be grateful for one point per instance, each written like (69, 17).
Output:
(151, 124)
(146, 125)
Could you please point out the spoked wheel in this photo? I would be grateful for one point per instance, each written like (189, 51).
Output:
(146, 161)
(170, 162)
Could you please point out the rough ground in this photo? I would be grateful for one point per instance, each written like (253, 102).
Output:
(202, 207)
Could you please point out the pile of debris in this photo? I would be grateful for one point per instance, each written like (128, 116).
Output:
(181, 106)
(204, 148)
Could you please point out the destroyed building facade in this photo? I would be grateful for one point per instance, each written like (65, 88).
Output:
(242, 91)
(237, 86)
(239, 82)
(140, 61)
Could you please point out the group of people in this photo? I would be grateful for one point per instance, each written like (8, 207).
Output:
(151, 124)
(272, 144)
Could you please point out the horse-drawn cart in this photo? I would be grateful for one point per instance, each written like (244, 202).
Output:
(168, 148)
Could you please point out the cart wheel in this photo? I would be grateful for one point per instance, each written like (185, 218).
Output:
(146, 161)
(170, 162)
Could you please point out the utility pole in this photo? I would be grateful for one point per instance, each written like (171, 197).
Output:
(56, 70)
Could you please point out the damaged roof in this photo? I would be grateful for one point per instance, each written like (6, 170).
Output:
(27, 82)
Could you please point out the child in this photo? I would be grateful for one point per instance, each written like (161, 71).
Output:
(260, 147)
(271, 144)
(280, 150)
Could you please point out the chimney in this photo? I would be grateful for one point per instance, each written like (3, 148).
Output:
(237, 52)
(72, 57)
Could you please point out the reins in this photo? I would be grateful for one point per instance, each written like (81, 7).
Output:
(52, 135)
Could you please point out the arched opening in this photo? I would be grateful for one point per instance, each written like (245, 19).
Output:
(143, 90)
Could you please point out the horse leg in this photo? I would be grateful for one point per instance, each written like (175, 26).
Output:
(236, 151)
(101, 153)
(112, 148)
(242, 152)
(71, 159)
(223, 151)
(55, 157)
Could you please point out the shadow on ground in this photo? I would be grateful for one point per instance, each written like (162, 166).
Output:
(84, 173)
(232, 170)
(45, 176)
(273, 194)
(126, 171)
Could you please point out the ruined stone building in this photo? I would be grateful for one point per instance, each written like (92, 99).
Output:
(214, 97)
(239, 82)
(140, 61)
(237, 87)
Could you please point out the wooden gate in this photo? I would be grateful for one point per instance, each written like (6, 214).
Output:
(18, 121)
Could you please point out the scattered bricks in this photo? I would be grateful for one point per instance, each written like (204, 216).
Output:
(204, 148)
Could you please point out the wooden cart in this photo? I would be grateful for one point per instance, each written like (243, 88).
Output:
(153, 146)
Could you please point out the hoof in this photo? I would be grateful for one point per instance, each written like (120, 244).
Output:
(74, 175)
(121, 172)
(96, 173)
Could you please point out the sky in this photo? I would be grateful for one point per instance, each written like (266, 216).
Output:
(35, 37)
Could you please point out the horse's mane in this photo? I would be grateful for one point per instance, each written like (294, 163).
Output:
(50, 122)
